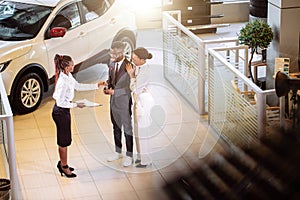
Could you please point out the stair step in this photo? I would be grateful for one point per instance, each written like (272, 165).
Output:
(272, 162)
(270, 184)
(229, 173)
(188, 187)
(267, 169)
(255, 173)
(283, 144)
(249, 190)
(213, 182)
(175, 190)
(199, 190)
(239, 159)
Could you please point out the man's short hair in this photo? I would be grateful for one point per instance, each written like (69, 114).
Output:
(118, 45)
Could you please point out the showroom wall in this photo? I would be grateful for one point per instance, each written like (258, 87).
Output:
(149, 16)
(283, 17)
(233, 12)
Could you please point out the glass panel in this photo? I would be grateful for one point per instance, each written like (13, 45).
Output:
(67, 17)
(94, 8)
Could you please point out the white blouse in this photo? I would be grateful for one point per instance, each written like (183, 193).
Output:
(140, 86)
(140, 83)
(64, 90)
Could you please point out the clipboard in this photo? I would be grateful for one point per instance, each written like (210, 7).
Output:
(88, 103)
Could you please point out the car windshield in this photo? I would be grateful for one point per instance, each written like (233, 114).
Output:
(19, 21)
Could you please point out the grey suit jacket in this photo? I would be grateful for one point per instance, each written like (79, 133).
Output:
(121, 100)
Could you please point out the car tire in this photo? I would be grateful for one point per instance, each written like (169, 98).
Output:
(258, 11)
(129, 46)
(259, 3)
(28, 93)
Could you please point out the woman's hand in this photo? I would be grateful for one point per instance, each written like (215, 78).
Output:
(130, 70)
(102, 84)
(80, 105)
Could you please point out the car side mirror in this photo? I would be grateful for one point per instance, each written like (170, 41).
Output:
(57, 32)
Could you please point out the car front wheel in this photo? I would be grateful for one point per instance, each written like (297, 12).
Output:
(28, 93)
(129, 46)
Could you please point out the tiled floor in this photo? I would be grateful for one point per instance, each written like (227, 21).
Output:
(179, 137)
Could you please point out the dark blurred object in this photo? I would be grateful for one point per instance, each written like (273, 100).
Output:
(263, 55)
(283, 84)
(259, 8)
(4, 189)
(265, 169)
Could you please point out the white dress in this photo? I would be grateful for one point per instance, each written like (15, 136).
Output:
(143, 103)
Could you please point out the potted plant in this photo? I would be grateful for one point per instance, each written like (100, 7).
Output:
(255, 34)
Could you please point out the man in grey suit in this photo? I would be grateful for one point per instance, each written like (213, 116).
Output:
(120, 103)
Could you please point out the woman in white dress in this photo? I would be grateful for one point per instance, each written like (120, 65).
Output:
(143, 102)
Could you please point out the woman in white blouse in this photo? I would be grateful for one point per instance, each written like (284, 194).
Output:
(65, 84)
(143, 102)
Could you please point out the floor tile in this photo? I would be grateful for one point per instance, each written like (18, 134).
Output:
(114, 185)
(121, 195)
(146, 181)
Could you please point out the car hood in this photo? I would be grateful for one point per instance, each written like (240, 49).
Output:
(11, 50)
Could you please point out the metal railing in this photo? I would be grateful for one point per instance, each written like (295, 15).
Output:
(185, 60)
(8, 145)
(231, 112)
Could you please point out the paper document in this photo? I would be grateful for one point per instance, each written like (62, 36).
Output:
(88, 103)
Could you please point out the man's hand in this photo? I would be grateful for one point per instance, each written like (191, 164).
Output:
(108, 91)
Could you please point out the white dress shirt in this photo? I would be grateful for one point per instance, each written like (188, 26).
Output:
(64, 90)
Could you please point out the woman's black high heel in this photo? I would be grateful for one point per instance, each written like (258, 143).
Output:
(70, 168)
(60, 169)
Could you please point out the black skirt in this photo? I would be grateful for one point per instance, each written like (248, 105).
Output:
(62, 119)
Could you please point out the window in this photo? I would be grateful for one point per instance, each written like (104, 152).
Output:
(94, 8)
(67, 17)
(20, 21)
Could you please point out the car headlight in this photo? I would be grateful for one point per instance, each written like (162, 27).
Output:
(4, 65)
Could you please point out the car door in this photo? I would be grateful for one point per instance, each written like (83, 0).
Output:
(109, 20)
(75, 42)
(102, 26)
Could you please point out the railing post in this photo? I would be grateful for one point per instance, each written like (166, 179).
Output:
(210, 69)
(261, 115)
(8, 118)
(12, 157)
(201, 78)
(237, 54)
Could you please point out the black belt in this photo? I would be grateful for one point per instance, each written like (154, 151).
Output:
(62, 108)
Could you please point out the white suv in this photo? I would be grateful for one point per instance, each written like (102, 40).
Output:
(32, 32)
